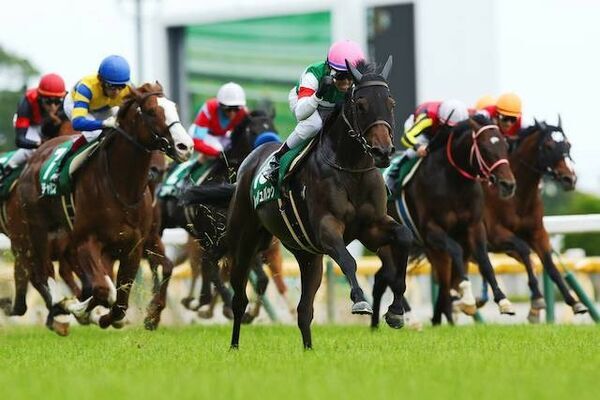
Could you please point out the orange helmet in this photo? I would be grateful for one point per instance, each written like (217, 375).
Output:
(52, 85)
(485, 101)
(509, 104)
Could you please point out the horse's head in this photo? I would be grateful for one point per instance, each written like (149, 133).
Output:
(554, 154)
(371, 109)
(159, 115)
(244, 136)
(489, 155)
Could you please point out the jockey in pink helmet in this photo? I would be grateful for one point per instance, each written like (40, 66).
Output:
(321, 86)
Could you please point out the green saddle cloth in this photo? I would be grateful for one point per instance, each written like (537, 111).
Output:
(7, 182)
(400, 171)
(185, 174)
(262, 190)
(55, 174)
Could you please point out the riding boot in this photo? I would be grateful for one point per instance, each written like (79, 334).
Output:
(393, 174)
(273, 174)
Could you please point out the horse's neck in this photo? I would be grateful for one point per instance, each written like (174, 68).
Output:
(461, 154)
(523, 164)
(345, 150)
(128, 165)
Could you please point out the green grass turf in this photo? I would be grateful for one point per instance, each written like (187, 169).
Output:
(501, 362)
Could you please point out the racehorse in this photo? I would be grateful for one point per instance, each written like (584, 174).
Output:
(515, 226)
(13, 226)
(444, 199)
(112, 203)
(206, 223)
(344, 198)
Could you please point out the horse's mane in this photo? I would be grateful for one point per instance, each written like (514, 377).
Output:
(441, 138)
(130, 99)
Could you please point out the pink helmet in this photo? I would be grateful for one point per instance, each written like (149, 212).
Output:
(344, 50)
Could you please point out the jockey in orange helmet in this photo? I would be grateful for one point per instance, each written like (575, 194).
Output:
(35, 105)
(506, 113)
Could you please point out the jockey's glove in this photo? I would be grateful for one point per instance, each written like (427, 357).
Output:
(110, 122)
(324, 85)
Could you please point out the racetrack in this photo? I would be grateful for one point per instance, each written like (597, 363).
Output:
(500, 362)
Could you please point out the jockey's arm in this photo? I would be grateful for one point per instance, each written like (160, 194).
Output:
(411, 139)
(307, 98)
(81, 119)
(22, 124)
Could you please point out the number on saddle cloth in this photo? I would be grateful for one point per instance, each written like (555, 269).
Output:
(55, 174)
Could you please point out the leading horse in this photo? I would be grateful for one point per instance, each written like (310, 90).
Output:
(112, 204)
(344, 197)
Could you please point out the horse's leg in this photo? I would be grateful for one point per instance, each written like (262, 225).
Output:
(438, 239)
(210, 276)
(19, 305)
(399, 238)
(311, 273)
(274, 260)
(380, 282)
(194, 255)
(262, 281)
(159, 300)
(477, 241)
(128, 267)
(441, 265)
(331, 232)
(65, 270)
(541, 245)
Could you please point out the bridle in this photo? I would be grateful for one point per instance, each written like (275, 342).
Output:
(485, 170)
(543, 164)
(354, 130)
(158, 141)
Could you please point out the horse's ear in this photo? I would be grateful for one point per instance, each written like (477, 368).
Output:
(536, 122)
(385, 72)
(559, 122)
(354, 72)
(159, 85)
(474, 124)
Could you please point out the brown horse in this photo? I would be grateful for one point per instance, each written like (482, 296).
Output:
(344, 198)
(445, 203)
(13, 226)
(112, 202)
(515, 225)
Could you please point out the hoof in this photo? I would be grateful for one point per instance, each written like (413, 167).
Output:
(534, 316)
(186, 301)
(468, 309)
(227, 312)
(83, 319)
(395, 321)
(480, 302)
(205, 311)
(466, 292)
(121, 323)
(362, 308)
(506, 307)
(538, 304)
(61, 328)
(194, 305)
(579, 308)
(6, 306)
(248, 318)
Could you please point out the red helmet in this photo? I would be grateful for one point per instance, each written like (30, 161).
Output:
(52, 85)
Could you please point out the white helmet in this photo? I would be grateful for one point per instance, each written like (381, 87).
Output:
(231, 94)
(452, 112)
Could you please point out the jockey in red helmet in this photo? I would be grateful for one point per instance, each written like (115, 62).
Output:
(37, 103)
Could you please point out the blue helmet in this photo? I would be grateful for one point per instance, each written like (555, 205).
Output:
(266, 137)
(114, 70)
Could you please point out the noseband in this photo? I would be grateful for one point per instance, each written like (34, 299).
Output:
(484, 168)
(354, 130)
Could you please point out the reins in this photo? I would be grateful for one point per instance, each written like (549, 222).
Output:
(484, 168)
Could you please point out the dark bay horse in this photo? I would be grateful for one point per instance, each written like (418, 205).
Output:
(515, 226)
(112, 202)
(445, 202)
(13, 226)
(206, 223)
(344, 199)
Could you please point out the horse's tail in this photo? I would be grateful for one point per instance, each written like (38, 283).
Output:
(214, 194)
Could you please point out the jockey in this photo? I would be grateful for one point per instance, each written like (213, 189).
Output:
(45, 100)
(90, 106)
(506, 113)
(485, 101)
(217, 118)
(321, 86)
(429, 117)
(420, 128)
